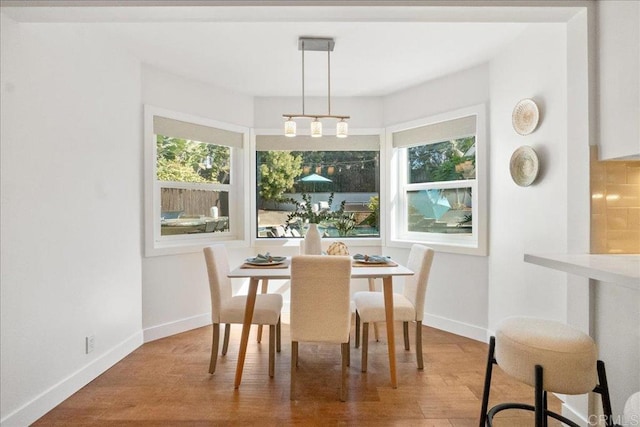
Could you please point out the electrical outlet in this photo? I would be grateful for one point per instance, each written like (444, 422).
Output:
(89, 344)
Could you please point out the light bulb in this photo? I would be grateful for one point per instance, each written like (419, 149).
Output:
(290, 128)
(316, 128)
(342, 129)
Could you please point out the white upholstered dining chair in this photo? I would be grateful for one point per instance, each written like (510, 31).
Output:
(227, 308)
(320, 307)
(407, 307)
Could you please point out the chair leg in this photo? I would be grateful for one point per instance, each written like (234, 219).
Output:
(487, 382)
(603, 389)
(365, 345)
(279, 335)
(263, 290)
(372, 288)
(294, 364)
(225, 342)
(349, 351)
(405, 332)
(539, 398)
(345, 363)
(214, 347)
(419, 345)
(272, 349)
(357, 329)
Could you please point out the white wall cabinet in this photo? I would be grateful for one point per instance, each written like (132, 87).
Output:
(619, 79)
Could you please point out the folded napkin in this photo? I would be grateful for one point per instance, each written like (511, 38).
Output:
(371, 258)
(266, 258)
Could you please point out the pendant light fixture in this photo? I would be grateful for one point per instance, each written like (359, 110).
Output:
(342, 127)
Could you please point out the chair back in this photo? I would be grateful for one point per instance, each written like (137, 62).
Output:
(219, 284)
(320, 298)
(415, 287)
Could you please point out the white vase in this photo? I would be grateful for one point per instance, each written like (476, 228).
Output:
(313, 241)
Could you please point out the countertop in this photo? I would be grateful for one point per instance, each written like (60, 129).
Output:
(620, 269)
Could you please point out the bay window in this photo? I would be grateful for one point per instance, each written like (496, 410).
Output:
(193, 173)
(336, 176)
(438, 181)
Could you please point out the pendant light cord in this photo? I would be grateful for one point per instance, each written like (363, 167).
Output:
(328, 79)
(303, 77)
(316, 44)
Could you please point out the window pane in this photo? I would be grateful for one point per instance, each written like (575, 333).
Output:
(187, 211)
(184, 160)
(443, 161)
(440, 211)
(352, 176)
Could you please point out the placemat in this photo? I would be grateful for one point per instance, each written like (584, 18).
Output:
(364, 264)
(284, 264)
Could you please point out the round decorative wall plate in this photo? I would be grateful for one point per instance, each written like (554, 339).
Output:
(525, 117)
(524, 166)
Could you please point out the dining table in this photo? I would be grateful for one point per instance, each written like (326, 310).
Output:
(282, 271)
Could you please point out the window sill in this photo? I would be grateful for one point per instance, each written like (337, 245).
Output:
(178, 247)
(295, 242)
(462, 249)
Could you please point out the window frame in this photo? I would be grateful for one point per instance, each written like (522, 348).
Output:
(398, 186)
(295, 241)
(155, 243)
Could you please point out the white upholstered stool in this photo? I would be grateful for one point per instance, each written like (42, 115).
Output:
(632, 410)
(549, 356)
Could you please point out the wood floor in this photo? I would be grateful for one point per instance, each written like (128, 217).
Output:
(166, 382)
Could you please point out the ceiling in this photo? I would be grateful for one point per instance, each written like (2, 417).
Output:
(253, 50)
(262, 59)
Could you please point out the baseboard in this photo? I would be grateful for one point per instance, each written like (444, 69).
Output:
(171, 328)
(455, 327)
(49, 399)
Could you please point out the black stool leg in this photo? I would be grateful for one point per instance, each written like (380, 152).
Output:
(544, 407)
(487, 382)
(603, 389)
(540, 416)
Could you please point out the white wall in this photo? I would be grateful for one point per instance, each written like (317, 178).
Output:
(167, 90)
(462, 89)
(528, 219)
(457, 294)
(175, 291)
(617, 333)
(71, 213)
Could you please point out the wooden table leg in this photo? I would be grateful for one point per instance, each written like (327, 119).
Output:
(372, 288)
(263, 290)
(246, 327)
(387, 285)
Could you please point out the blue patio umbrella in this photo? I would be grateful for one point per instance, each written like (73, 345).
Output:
(431, 204)
(439, 204)
(314, 178)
